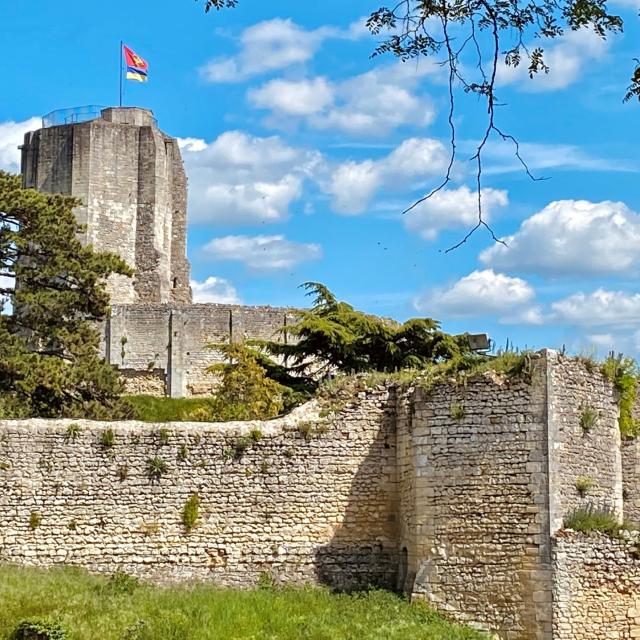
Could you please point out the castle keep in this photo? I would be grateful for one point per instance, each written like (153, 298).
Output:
(130, 179)
(455, 494)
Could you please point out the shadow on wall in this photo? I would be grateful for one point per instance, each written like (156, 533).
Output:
(363, 552)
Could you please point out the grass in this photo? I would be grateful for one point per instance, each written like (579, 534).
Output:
(91, 607)
(589, 518)
(152, 409)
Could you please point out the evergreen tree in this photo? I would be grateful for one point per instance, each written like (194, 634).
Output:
(49, 360)
(333, 336)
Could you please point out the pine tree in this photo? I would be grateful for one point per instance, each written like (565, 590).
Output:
(49, 359)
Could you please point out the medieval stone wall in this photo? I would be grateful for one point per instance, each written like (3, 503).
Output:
(580, 454)
(175, 340)
(480, 543)
(302, 498)
(596, 587)
(631, 479)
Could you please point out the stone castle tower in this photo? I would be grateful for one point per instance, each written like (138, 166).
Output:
(130, 179)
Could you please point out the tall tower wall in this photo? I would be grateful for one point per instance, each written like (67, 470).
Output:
(130, 179)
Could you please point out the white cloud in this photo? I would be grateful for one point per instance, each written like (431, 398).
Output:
(372, 103)
(274, 44)
(241, 178)
(214, 290)
(599, 308)
(301, 98)
(572, 237)
(451, 208)
(354, 184)
(480, 293)
(6, 282)
(567, 59)
(263, 252)
(11, 136)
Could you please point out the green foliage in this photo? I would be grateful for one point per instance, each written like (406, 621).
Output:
(35, 520)
(156, 468)
(191, 512)
(588, 419)
(87, 608)
(583, 484)
(73, 430)
(245, 392)
(108, 438)
(183, 452)
(589, 518)
(458, 412)
(49, 359)
(39, 630)
(154, 409)
(333, 336)
(123, 472)
(623, 373)
(120, 583)
(163, 436)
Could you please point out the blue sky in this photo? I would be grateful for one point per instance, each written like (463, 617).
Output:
(302, 152)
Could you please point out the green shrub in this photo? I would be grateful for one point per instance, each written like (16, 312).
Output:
(255, 435)
(240, 445)
(623, 373)
(39, 630)
(156, 468)
(583, 484)
(121, 583)
(73, 430)
(35, 520)
(108, 438)
(458, 412)
(590, 518)
(191, 512)
(588, 419)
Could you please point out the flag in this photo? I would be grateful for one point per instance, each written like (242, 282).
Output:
(136, 66)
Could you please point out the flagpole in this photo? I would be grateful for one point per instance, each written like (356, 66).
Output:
(121, 43)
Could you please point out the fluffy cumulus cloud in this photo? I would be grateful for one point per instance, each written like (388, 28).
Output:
(241, 178)
(567, 59)
(452, 208)
(214, 289)
(481, 293)
(354, 184)
(372, 103)
(263, 252)
(274, 44)
(11, 136)
(601, 308)
(572, 237)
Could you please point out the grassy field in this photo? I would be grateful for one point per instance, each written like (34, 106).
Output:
(152, 409)
(117, 608)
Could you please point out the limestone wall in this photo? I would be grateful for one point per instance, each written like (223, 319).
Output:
(631, 479)
(312, 500)
(582, 454)
(596, 588)
(477, 472)
(175, 339)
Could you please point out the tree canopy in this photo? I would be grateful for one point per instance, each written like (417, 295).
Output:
(49, 359)
(333, 336)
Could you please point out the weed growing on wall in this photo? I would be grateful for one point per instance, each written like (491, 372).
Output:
(183, 453)
(73, 430)
(584, 484)
(156, 468)
(35, 520)
(122, 472)
(458, 412)
(623, 373)
(588, 419)
(163, 436)
(191, 512)
(589, 518)
(108, 438)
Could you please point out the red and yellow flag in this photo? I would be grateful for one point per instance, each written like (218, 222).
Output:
(136, 66)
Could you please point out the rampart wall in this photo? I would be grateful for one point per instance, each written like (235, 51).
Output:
(169, 344)
(454, 493)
